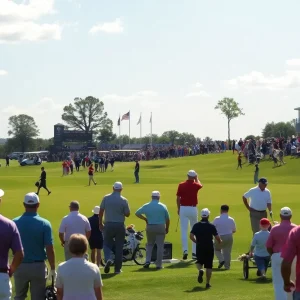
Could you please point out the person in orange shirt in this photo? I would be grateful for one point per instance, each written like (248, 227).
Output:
(64, 166)
(91, 174)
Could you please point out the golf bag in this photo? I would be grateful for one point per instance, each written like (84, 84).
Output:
(50, 292)
(37, 184)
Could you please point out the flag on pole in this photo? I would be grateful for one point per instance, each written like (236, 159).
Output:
(119, 121)
(126, 117)
(139, 121)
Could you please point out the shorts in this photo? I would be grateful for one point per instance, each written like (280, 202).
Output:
(205, 257)
(43, 184)
(96, 243)
(91, 176)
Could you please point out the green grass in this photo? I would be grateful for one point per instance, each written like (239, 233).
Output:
(222, 184)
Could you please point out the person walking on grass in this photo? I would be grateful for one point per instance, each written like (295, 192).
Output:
(256, 173)
(276, 241)
(261, 254)
(113, 209)
(10, 240)
(239, 159)
(202, 235)
(91, 174)
(43, 183)
(260, 201)
(187, 201)
(137, 171)
(73, 223)
(157, 219)
(226, 227)
(37, 240)
(77, 278)
(96, 238)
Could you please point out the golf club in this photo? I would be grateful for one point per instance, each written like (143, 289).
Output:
(177, 224)
(272, 219)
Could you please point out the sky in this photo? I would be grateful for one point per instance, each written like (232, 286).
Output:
(174, 58)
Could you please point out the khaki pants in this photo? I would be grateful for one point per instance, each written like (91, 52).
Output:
(33, 276)
(223, 251)
(155, 235)
(255, 217)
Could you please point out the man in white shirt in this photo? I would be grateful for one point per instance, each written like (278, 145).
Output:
(73, 223)
(260, 200)
(226, 227)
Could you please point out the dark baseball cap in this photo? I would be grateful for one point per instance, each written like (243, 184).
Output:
(74, 205)
(263, 180)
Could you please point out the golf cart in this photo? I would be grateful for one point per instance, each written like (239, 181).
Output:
(30, 159)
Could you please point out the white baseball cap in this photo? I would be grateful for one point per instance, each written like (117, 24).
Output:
(192, 173)
(1, 193)
(31, 199)
(286, 212)
(118, 185)
(205, 212)
(155, 194)
(96, 210)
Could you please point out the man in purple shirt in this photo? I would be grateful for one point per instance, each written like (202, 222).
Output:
(10, 239)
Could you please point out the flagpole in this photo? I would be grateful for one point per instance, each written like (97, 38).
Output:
(151, 132)
(141, 125)
(129, 126)
(119, 131)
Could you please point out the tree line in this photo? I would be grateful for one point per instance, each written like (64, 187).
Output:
(88, 115)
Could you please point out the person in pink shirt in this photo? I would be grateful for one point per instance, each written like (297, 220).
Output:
(275, 243)
(291, 250)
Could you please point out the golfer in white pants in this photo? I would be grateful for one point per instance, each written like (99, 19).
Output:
(187, 201)
(276, 241)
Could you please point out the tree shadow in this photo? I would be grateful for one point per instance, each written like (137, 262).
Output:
(196, 289)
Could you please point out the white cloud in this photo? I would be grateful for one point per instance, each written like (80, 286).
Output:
(18, 22)
(293, 62)
(108, 27)
(198, 85)
(3, 72)
(141, 96)
(258, 80)
(202, 94)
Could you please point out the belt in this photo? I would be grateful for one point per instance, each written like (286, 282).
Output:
(34, 261)
(259, 210)
(189, 205)
(3, 270)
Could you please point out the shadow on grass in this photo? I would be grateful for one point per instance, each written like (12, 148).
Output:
(257, 280)
(182, 264)
(196, 289)
(141, 270)
(219, 270)
(107, 276)
(155, 167)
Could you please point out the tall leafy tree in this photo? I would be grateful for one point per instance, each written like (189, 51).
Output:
(106, 135)
(231, 110)
(23, 130)
(86, 115)
(171, 136)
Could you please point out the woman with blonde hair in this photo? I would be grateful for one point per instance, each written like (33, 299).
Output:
(78, 279)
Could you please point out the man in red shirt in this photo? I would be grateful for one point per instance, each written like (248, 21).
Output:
(275, 243)
(289, 252)
(187, 209)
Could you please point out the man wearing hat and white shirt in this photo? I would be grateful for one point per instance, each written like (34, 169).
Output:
(157, 219)
(37, 240)
(276, 241)
(10, 240)
(114, 208)
(202, 235)
(187, 200)
(260, 201)
(226, 228)
(74, 222)
(96, 238)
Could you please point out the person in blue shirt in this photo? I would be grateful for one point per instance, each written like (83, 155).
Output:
(157, 218)
(37, 240)
(261, 254)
